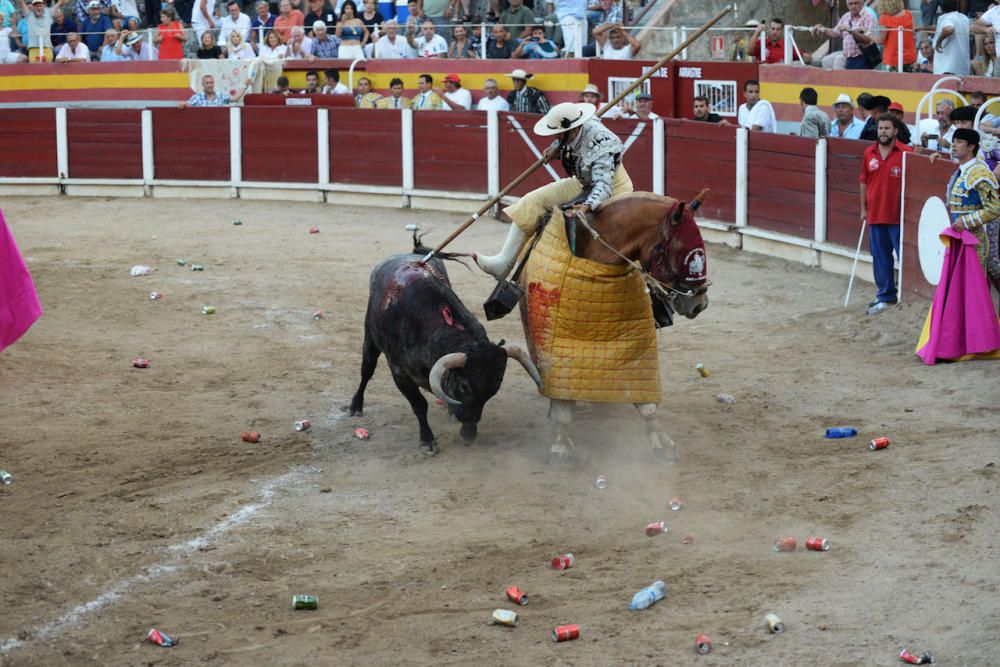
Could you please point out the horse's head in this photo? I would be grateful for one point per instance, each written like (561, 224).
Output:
(679, 260)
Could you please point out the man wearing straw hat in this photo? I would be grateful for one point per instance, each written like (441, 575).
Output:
(524, 98)
(590, 153)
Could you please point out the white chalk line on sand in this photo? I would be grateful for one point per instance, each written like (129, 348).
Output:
(160, 570)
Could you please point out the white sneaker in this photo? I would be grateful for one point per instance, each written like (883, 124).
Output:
(877, 308)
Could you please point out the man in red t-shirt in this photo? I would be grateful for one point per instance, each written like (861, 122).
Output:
(774, 50)
(881, 193)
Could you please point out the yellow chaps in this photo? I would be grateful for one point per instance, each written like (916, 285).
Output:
(540, 202)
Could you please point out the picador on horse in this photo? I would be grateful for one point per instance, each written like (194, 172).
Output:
(588, 276)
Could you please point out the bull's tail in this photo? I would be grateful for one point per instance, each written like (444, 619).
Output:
(420, 249)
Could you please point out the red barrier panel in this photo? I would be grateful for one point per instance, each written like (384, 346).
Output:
(366, 147)
(922, 180)
(702, 155)
(638, 159)
(92, 155)
(449, 151)
(191, 144)
(28, 138)
(515, 156)
(781, 184)
(279, 145)
(843, 204)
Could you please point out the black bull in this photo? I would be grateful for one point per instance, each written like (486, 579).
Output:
(431, 341)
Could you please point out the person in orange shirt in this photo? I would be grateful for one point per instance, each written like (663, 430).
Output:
(287, 19)
(170, 36)
(893, 14)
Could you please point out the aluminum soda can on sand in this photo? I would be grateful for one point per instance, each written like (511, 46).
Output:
(818, 544)
(251, 436)
(314, 230)
(878, 443)
(676, 504)
(362, 433)
(505, 617)
(564, 633)
(153, 296)
(412, 228)
(702, 371)
(237, 222)
(602, 482)
(687, 539)
(927, 658)
(656, 528)
(140, 362)
(303, 425)
(5, 477)
(703, 644)
(197, 267)
(563, 562)
(181, 261)
(208, 310)
(318, 315)
(305, 602)
(161, 638)
(785, 544)
(515, 594)
(774, 624)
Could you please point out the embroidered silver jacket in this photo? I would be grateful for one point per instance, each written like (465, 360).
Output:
(593, 160)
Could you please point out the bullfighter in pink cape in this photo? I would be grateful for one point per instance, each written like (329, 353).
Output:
(19, 306)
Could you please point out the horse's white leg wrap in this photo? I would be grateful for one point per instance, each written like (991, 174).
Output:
(659, 441)
(496, 265)
(561, 412)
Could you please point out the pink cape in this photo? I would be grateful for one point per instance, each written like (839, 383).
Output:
(962, 322)
(19, 306)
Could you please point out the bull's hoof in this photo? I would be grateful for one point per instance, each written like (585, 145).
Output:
(428, 448)
(357, 412)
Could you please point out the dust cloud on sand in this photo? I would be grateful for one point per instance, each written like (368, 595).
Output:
(132, 487)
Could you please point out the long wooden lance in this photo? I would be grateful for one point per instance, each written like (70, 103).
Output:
(538, 163)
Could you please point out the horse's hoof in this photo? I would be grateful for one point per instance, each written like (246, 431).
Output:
(560, 457)
(428, 448)
(666, 455)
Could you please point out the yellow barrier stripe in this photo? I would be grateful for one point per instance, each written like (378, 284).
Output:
(94, 81)
(788, 93)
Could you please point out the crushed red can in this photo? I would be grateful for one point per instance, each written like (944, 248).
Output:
(251, 436)
(818, 544)
(927, 658)
(786, 544)
(318, 315)
(362, 433)
(878, 443)
(564, 633)
(687, 539)
(161, 638)
(515, 594)
(563, 562)
(314, 230)
(303, 425)
(140, 362)
(656, 528)
(703, 644)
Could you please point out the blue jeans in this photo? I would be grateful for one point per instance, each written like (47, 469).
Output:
(858, 62)
(883, 240)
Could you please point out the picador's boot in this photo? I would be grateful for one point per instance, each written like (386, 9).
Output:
(497, 265)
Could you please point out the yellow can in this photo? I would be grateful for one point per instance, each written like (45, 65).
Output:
(774, 624)
(700, 367)
(505, 617)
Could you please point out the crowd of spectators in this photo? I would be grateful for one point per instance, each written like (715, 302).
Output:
(105, 30)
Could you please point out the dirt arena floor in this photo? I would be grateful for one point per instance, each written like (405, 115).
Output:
(136, 505)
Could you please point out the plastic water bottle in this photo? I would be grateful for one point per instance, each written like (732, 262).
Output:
(841, 432)
(649, 596)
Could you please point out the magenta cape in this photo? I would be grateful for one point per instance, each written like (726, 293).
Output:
(19, 306)
(962, 323)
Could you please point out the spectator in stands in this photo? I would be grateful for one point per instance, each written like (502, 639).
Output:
(63, 25)
(491, 100)
(262, 23)
(518, 17)
(853, 26)
(93, 26)
(333, 86)
(524, 98)
(928, 12)
(476, 37)
(987, 25)
(881, 191)
(352, 32)
(234, 20)
(846, 125)
(925, 57)
(755, 114)
(940, 140)
(20, 36)
(902, 129)
(287, 19)
(281, 86)
(616, 43)
(606, 12)
(131, 47)
(877, 106)
(815, 123)
(324, 45)
(124, 15)
(774, 47)
(273, 49)
(536, 47)
(643, 109)
(372, 19)
(591, 94)
(395, 99)
(73, 51)
(460, 46)
(438, 12)
(300, 48)
(320, 11)
(240, 50)
(499, 46)
(170, 36)
(38, 19)
(209, 49)
(366, 98)
(429, 44)
(391, 46)
(107, 52)
(312, 83)
(426, 99)
(963, 118)
(892, 15)
(416, 17)
(83, 9)
(8, 14)
(203, 17)
(455, 97)
(703, 113)
(572, 16)
(951, 41)
(209, 98)
(984, 64)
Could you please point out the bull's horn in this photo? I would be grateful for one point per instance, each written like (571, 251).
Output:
(445, 363)
(514, 352)
(678, 215)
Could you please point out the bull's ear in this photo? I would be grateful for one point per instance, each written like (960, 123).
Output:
(675, 219)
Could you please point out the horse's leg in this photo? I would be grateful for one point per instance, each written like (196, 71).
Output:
(661, 443)
(561, 412)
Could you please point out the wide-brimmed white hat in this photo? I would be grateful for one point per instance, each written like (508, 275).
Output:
(591, 88)
(133, 39)
(520, 74)
(843, 98)
(564, 117)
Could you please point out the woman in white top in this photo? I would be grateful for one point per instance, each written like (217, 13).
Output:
(238, 49)
(272, 48)
(986, 64)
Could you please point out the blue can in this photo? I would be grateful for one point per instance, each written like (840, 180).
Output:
(841, 432)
